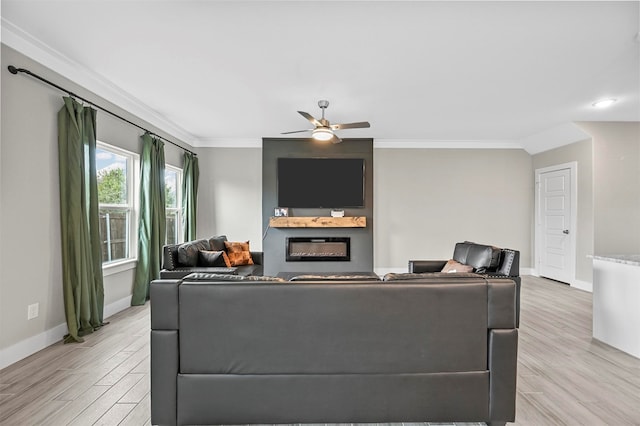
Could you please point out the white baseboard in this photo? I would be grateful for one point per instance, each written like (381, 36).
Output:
(117, 306)
(582, 285)
(27, 347)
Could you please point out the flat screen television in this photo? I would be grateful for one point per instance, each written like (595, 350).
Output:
(321, 182)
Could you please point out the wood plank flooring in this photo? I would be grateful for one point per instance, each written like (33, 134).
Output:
(564, 376)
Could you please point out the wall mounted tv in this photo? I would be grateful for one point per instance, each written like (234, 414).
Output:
(321, 182)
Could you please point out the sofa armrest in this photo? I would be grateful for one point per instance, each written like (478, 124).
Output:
(503, 367)
(420, 266)
(257, 257)
(165, 358)
(509, 263)
(164, 296)
(164, 351)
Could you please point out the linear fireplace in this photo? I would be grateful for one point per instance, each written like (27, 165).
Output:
(302, 249)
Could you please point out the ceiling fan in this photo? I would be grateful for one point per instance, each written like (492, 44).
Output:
(324, 131)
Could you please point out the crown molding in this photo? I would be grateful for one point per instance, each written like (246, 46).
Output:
(377, 143)
(228, 143)
(554, 137)
(445, 144)
(18, 39)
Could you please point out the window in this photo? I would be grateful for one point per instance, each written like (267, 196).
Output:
(117, 184)
(173, 203)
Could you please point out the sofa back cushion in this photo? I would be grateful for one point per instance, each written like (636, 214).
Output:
(481, 257)
(217, 243)
(332, 328)
(188, 252)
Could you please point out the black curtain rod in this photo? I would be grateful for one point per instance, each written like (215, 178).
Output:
(14, 70)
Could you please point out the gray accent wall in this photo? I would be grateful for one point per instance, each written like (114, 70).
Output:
(274, 238)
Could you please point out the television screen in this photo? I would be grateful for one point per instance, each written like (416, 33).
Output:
(321, 182)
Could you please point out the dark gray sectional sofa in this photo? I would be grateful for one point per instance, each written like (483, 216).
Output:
(486, 260)
(257, 351)
(175, 266)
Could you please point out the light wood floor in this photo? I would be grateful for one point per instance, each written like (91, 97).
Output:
(564, 376)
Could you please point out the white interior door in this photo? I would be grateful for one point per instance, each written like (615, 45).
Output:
(556, 247)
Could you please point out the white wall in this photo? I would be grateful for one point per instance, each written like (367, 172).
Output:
(616, 186)
(30, 263)
(230, 194)
(426, 200)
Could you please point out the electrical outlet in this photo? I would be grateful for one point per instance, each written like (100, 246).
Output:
(32, 311)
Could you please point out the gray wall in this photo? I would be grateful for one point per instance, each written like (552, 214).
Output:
(582, 154)
(30, 263)
(426, 200)
(616, 186)
(274, 240)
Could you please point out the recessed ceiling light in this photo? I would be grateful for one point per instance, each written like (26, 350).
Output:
(603, 103)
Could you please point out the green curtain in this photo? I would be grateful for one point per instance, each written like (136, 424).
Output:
(191, 174)
(82, 284)
(152, 223)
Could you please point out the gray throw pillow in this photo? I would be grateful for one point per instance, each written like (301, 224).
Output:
(188, 252)
(217, 243)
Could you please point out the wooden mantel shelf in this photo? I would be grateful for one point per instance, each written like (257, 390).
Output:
(318, 222)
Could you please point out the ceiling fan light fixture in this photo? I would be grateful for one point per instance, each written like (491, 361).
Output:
(604, 103)
(322, 134)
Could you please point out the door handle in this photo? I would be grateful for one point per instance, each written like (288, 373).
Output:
(566, 232)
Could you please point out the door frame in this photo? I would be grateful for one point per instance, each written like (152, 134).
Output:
(573, 172)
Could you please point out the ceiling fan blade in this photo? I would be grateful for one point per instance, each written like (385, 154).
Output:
(296, 131)
(335, 139)
(358, 125)
(310, 118)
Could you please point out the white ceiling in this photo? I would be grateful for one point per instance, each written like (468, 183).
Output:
(232, 72)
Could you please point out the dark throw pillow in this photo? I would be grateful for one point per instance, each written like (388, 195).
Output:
(211, 258)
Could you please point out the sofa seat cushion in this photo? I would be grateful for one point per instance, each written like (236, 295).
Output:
(246, 270)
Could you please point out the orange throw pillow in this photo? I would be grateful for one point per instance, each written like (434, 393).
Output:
(227, 262)
(452, 266)
(238, 253)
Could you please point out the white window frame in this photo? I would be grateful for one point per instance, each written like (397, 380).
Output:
(178, 208)
(133, 202)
